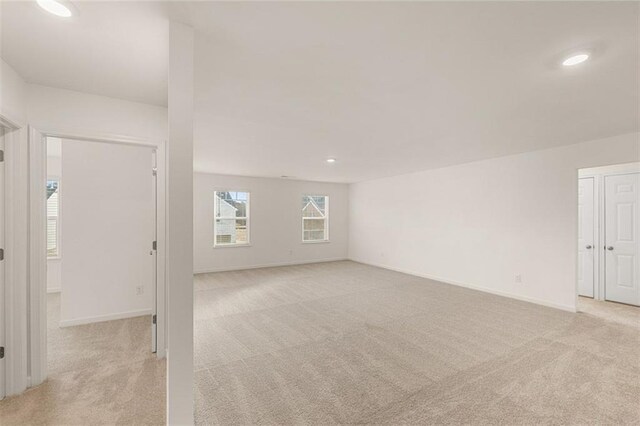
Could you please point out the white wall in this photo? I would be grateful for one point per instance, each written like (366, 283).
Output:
(276, 237)
(64, 111)
(480, 224)
(12, 94)
(107, 230)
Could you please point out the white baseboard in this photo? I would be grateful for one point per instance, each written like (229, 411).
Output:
(54, 290)
(267, 265)
(475, 287)
(107, 317)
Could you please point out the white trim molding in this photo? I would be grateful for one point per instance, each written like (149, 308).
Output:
(267, 265)
(566, 308)
(108, 317)
(16, 245)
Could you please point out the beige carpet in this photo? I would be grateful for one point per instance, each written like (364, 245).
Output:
(346, 343)
(102, 373)
(610, 311)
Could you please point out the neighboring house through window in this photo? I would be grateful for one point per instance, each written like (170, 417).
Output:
(53, 217)
(315, 218)
(231, 223)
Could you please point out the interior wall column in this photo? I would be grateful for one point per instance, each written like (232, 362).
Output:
(180, 227)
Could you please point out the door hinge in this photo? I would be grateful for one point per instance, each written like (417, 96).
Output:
(1, 352)
(154, 318)
(154, 245)
(1, 155)
(1, 254)
(154, 171)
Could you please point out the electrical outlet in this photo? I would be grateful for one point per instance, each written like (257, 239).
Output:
(139, 290)
(518, 279)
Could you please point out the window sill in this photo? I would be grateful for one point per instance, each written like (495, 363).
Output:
(232, 245)
(317, 242)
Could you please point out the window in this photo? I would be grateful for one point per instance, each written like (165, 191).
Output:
(53, 218)
(315, 218)
(231, 224)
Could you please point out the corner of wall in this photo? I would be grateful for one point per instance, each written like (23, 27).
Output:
(13, 98)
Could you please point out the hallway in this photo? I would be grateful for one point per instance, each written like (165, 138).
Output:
(101, 373)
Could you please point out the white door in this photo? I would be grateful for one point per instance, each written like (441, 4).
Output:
(622, 242)
(586, 233)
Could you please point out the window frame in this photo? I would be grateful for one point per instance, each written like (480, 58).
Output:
(326, 220)
(58, 255)
(247, 218)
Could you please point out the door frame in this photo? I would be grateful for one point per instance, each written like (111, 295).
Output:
(599, 173)
(2, 280)
(596, 237)
(37, 217)
(14, 312)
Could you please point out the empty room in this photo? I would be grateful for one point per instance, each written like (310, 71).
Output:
(278, 213)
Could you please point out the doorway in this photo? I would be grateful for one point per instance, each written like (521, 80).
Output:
(101, 224)
(608, 234)
(101, 232)
(96, 354)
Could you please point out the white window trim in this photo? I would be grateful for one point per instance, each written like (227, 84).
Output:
(326, 221)
(247, 218)
(58, 256)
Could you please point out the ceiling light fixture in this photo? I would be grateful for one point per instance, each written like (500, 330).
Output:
(331, 160)
(58, 8)
(575, 59)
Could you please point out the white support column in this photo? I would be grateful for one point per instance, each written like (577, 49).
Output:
(180, 227)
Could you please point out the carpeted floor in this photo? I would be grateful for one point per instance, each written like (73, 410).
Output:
(347, 343)
(102, 373)
(610, 311)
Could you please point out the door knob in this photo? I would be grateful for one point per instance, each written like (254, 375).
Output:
(610, 248)
(589, 246)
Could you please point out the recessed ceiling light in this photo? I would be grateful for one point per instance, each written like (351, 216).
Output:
(575, 59)
(58, 8)
(331, 160)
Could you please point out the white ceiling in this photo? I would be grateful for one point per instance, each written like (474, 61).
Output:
(116, 49)
(389, 88)
(386, 88)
